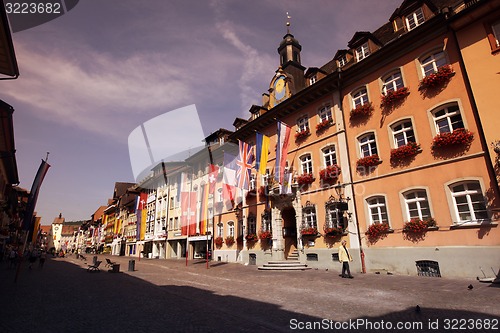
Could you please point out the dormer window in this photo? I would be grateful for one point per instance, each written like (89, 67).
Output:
(415, 19)
(342, 61)
(313, 79)
(362, 51)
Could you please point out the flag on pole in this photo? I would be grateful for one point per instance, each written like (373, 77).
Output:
(28, 221)
(188, 207)
(244, 164)
(286, 188)
(261, 153)
(204, 209)
(140, 206)
(229, 179)
(281, 151)
(212, 178)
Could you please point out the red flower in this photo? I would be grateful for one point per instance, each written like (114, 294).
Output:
(309, 231)
(417, 226)
(265, 235)
(368, 161)
(229, 240)
(363, 110)
(332, 231)
(460, 136)
(331, 173)
(302, 134)
(305, 179)
(218, 241)
(408, 150)
(323, 125)
(377, 231)
(393, 96)
(443, 74)
(251, 237)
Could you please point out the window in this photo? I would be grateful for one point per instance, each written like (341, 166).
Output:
(303, 124)
(469, 202)
(493, 31)
(377, 210)
(334, 217)
(176, 223)
(447, 119)
(392, 82)
(362, 51)
(360, 97)
(309, 217)
(329, 155)
(342, 60)
(495, 27)
(430, 64)
(220, 229)
(415, 19)
(230, 229)
(417, 205)
(252, 225)
(266, 221)
(220, 196)
(325, 113)
(367, 145)
(312, 80)
(403, 133)
(252, 182)
(306, 164)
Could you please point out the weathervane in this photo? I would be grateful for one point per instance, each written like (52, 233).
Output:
(288, 17)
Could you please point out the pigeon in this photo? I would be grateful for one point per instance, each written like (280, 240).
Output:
(417, 309)
(470, 287)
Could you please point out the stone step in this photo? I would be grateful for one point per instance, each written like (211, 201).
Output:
(284, 268)
(284, 263)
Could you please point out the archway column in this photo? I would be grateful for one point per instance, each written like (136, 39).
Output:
(278, 239)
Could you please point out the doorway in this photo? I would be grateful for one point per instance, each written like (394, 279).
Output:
(289, 230)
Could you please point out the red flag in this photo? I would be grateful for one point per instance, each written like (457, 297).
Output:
(244, 164)
(212, 178)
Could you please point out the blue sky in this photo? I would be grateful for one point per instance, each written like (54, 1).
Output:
(91, 76)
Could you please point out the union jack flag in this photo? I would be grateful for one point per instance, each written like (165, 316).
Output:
(244, 164)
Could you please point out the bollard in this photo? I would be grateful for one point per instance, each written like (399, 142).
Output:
(131, 265)
(94, 261)
(116, 268)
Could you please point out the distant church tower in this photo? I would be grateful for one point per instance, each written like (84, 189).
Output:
(290, 62)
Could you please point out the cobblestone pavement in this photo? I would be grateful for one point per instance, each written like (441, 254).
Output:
(168, 296)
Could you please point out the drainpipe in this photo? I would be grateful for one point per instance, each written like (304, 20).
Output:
(362, 253)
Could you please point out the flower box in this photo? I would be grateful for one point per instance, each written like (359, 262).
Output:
(377, 231)
(331, 173)
(458, 137)
(408, 150)
(417, 226)
(443, 74)
(299, 136)
(218, 241)
(323, 125)
(305, 179)
(333, 232)
(265, 235)
(394, 96)
(360, 111)
(229, 240)
(309, 231)
(251, 237)
(368, 161)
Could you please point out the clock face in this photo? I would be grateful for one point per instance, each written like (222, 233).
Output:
(279, 88)
(56, 228)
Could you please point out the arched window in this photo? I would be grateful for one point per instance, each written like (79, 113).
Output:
(306, 163)
(431, 63)
(468, 201)
(402, 133)
(367, 145)
(447, 118)
(417, 204)
(377, 210)
(392, 82)
(359, 97)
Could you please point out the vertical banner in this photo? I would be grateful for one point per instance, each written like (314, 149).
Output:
(281, 151)
(28, 221)
(261, 153)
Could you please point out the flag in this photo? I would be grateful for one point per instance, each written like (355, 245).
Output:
(229, 179)
(244, 165)
(286, 188)
(35, 188)
(140, 206)
(261, 153)
(188, 207)
(204, 209)
(281, 151)
(212, 178)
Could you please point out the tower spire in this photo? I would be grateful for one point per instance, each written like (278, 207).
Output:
(288, 17)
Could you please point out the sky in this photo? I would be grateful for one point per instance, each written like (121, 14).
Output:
(91, 76)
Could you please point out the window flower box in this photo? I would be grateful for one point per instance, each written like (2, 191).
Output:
(369, 161)
(251, 237)
(408, 150)
(459, 137)
(309, 231)
(361, 111)
(417, 226)
(229, 240)
(333, 232)
(299, 136)
(394, 96)
(265, 235)
(377, 231)
(218, 241)
(443, 74)
(331, 173)
(305, 179)
(323, 125)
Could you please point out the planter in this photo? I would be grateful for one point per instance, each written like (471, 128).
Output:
(392, 97)
(218, 241)
(333, 232)
(408, 150)
(377, 231)
(305, 179)
(309, 231)
(251, 238)
(361, 111)
(369, 161)
(417, 226)
(443, 75)
(299, 136)
(331, 173)
(323, 125)
(459, 137)
(265, 235)
(229, 240)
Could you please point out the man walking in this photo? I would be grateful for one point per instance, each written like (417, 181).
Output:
(345, 258)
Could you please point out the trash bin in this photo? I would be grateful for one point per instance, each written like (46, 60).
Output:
(116, 268)
(131, 265)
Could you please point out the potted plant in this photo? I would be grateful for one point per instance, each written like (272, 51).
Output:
(459, 137)
(229, 240)
(417, 226)
(330, 173)
(368, 161)
(393, 96)
(377, 231)
(299, 136)
(362, 110)
(251, 237)
(408, 150)
(333, 232)
(323, 125)
(305, 179)
(442, 75)
(309, 231)
(218, 241)
(265, 235)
